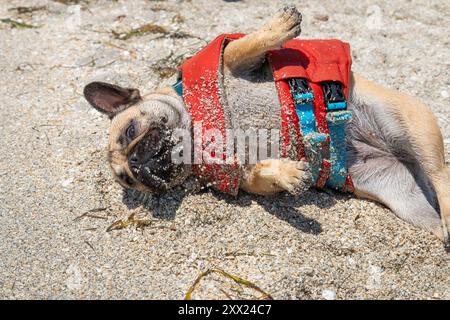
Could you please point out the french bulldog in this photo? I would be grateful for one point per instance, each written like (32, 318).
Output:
(394, 146)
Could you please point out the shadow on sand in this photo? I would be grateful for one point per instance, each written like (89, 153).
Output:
(283, 206)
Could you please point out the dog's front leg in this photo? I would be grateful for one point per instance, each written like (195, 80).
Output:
(249, 51)
(276, 175)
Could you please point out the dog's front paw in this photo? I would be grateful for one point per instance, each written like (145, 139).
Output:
(289, 175)
(286, 25)
(295, 176)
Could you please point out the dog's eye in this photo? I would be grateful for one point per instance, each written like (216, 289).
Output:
(130, 132)
(125, 178)
(129, 181)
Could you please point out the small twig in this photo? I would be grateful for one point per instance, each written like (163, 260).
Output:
(96, 217)
(49, 125)
(61, 131)
(132, 52)
(48, 140)
(96, 31)
(88, 214)
(226, 294)
(105, 65)
(63, 66)
(89, 244)
(343, 281)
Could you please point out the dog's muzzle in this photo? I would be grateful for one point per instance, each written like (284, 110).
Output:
(150, 160)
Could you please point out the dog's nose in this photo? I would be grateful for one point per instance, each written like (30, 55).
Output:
(134, 159)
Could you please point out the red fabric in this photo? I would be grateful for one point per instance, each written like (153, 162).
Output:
(320, 112)
(289, 121)
(201, 95)
(315, 60)
(348, 187)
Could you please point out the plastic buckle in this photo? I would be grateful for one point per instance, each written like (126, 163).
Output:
(333, 94)
(300, 90)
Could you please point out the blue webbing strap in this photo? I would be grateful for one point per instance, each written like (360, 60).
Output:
(313, 141)
(178, 87)
(337, 117)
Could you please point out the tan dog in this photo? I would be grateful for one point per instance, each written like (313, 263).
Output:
(395, 148)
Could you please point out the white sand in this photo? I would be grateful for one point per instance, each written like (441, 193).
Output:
(53, 166)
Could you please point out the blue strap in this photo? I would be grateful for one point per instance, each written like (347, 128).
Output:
(337, 117)
(178, 87)
(303, 98)
(313, 141)
(338, 155)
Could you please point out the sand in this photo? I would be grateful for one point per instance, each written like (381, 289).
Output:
(53, 168)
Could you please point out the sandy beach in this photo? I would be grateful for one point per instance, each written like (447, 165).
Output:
(58, 196)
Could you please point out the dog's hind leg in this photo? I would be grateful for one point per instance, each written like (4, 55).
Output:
(383, 178)
(397, 156)
(249, 52)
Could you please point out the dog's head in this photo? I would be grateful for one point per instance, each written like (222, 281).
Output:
(141, 139)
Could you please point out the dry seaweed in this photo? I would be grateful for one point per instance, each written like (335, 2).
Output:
(24, 10)
(18, 24)
(164, 71)
(122, 224)
(238, 280)
(70, 2)
(148, 28)
(178, 18)
(151, 28)
(168, 66)
(160, 7)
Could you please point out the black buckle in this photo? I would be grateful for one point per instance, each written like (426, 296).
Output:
(300, 90)
(299, 85)
(333, 91)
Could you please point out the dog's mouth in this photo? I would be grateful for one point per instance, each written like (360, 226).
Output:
(150, 160)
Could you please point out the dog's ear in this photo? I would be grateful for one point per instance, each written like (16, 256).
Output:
(108, 98)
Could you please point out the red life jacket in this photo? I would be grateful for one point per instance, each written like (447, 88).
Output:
(314, 60)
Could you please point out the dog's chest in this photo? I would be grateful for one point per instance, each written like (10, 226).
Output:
(251, 101)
